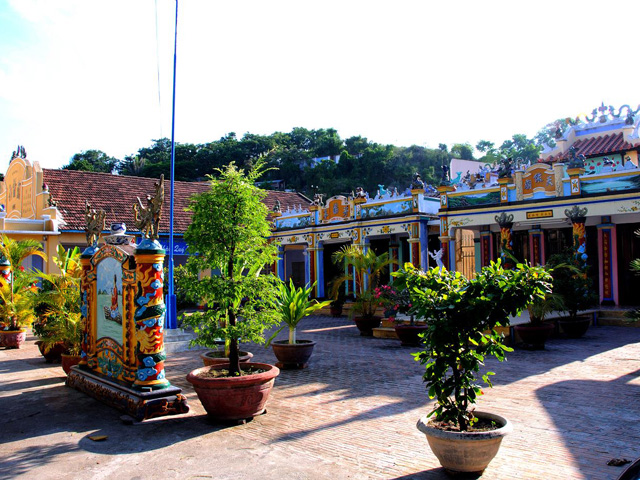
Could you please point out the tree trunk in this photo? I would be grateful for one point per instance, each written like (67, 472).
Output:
(292, 335)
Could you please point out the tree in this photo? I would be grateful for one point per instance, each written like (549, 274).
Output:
(520, 147)
(92, 161)
(229, 231)
(463, 151)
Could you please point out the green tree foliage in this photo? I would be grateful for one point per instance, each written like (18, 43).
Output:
(229, 231)
(92, 161)
(463, 151)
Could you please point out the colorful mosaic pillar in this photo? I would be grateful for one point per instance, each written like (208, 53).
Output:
(574, 180)
(486, 252)
(86, 294)
(505, 221)
(149, 317)
(608, 260)
(313, 270)
(578, 217)
(536, 245)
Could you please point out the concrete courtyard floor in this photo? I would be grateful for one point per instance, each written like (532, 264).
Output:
(350, 415)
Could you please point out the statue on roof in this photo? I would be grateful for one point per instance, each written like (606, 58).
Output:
(277, 208)
(505, 168)
(147, 218)
(20, 152)
(94, 221)
(575, 160)
(416, 182)
(445, 178)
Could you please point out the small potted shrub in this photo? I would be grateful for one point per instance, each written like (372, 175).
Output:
(337, 303)
(293, 305)
(536, 332)
(573, 285)
(462, 316)
(367, 268)
(229, 234)
(395, 299)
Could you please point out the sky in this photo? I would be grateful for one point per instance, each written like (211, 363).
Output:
(87, 74)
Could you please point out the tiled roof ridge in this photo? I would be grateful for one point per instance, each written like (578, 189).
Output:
(117, 175)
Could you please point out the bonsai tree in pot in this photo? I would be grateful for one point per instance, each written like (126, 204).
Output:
(462, 316)
(293, 305)
(16, 309)
(366, 268)
(573, 285)
(229, 235)
(337, 303)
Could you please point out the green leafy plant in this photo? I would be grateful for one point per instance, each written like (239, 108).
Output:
(16, 307)
(229, 235)
(572, 283)
(57, 303)
(367, 268)
(293, 305)
(462, 316)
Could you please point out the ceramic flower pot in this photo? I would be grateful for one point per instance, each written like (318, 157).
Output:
(336, 311)
(534, 336)
(367, 324)
(234, 398)
(575, 328)
(466, 452)
(293, 356)
(68, 361)
(409, 335)
(13, 338)
(216, 357)
(54, 354)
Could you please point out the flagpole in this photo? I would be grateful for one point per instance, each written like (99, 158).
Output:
(171, 320)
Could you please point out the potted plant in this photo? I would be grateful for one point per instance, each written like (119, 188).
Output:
(56, 300)
(462, 315)
(395, 299)
(366, 268)
(293, 305)
(229, 233)
(571, 282)
(16, 310)
(337, 303)
(536, 332)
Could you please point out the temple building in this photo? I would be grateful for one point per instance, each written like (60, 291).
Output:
(583, 194)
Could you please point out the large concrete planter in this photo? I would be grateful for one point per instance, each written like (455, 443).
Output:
(68, 361)
(293, 356)
(234, 398)
(468, 452)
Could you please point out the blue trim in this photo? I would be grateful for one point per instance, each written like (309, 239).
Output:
(531, 207)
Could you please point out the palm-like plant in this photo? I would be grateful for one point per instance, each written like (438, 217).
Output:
(293, 304)
(16, 308)
(367, 268)
(58, 302)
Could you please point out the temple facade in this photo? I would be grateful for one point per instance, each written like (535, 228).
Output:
(583, 195)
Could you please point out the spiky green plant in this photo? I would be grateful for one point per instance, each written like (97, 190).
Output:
(293, 304)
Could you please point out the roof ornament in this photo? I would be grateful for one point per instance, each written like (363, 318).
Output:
(94, 221)
(20, 152)
(444, 180)
(417, 183)
(505, 168)
(147, 218)
(575, 160)
(277, 208)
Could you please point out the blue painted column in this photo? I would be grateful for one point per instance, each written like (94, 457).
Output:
(320, 270)
(280, 263)
(307, 266)
(424, 245)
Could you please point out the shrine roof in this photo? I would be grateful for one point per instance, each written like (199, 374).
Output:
(116, 195)
(596, 146)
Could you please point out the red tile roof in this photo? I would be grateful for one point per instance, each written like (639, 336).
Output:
(596, 146)
(116, 194)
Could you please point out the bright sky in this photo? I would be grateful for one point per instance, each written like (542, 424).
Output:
(78, 75)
